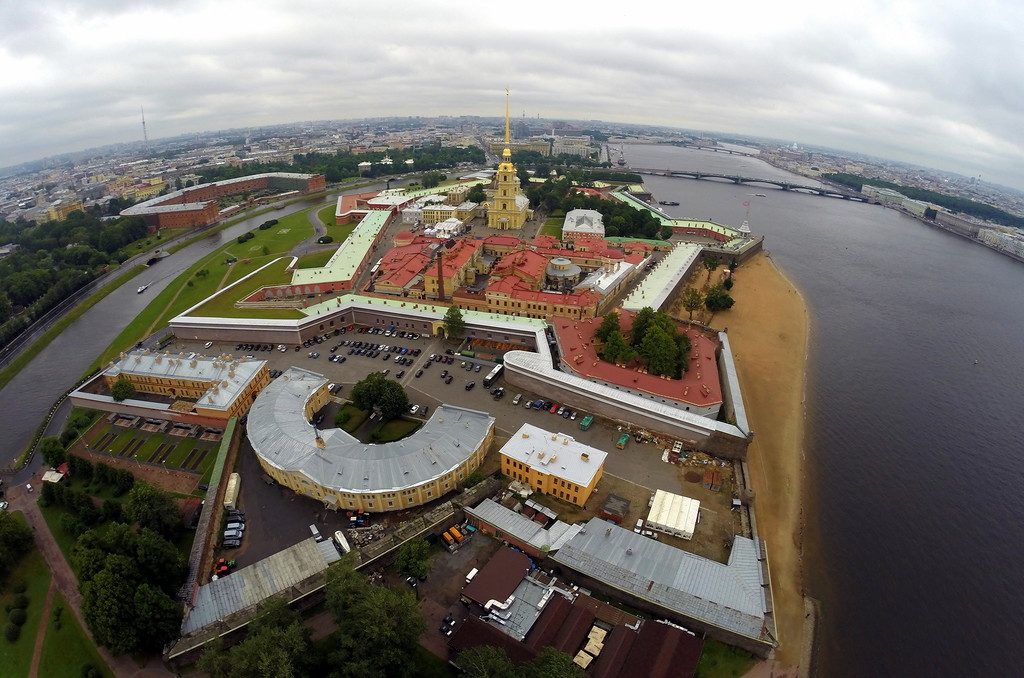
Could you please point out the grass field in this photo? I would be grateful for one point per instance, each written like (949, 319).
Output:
(356, 417)
(66, 648)
(16, 657)
(316, 259)
(718, 660)
(552, 226)
(224, 304)
(326, 215)
(396, 429)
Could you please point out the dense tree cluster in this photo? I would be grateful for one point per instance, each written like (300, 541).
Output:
(619, 218)
(15, 542)
(454, 323)
(377, 392)
(414, 558)
(344, 165)
(54, 259)
(950, 202)
(128, 579)
(654, 339)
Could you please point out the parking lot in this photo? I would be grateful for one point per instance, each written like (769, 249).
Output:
(638, 468)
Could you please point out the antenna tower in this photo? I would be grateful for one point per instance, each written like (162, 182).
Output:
(145, 136)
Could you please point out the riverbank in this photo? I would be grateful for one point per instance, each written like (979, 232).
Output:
(768, 331)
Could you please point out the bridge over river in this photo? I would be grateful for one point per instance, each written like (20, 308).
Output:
(783, 184)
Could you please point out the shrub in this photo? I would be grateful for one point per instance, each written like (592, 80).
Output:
(12, 632)
(17, 616)
(19, 587)
(342, 417)
(89, 671)
(474, 478)
(20, 601)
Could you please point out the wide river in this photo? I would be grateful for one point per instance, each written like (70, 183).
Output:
(915, 447)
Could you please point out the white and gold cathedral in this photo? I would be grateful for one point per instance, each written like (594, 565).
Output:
(509, 208)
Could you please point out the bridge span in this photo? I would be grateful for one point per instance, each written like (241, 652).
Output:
(783, 184)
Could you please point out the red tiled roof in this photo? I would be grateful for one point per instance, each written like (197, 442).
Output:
(699, 386)
(457, 256)
(502, 241)
(544, 240)
(530, 263)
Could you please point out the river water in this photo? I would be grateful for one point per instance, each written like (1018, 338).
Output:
(914, 395)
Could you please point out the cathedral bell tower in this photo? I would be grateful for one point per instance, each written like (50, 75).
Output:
(509, 207)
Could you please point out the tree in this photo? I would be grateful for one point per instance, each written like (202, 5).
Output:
(616, 350)
(157, 616)
(153, 508)
(378, 629)
(660, 352)
(122, 390)
(718, 299)
(52, 450)
(641, 322)
(486, 661)
(378, 392)
(550, 663)
(477, 194)
(432, 179)
(609, 325)
(15, 542)
(693, 300)
(684, 344)
(414, 558)
(108, 605)
(454, 323)
(710, 262)
(276, 644)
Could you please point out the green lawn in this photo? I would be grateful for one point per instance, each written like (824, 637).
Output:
(718, 660)
(224, 304)
(316, 259)
(340, 233)
(67, 648)
(180, 451)
(356, 417)
(326, 215)
(65, 540)
(16, 657)
(396, 429)
(552, 226)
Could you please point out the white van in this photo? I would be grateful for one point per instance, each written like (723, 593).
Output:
(316, 533)
(472, 573)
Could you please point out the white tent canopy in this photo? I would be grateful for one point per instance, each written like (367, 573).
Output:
(673, 514)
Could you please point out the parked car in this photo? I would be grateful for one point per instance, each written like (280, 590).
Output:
(448, 379)
(470, 385)
(232, 543)
(419, 373)
(517, 399)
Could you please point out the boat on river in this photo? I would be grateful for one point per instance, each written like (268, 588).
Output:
(142, 289)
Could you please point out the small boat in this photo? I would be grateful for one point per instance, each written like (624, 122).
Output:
(142, 289)
(667, 202)
(760, 195)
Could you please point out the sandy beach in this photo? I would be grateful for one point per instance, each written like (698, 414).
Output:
(768, 329)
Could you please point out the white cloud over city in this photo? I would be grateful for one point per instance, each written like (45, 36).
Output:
(937, 83)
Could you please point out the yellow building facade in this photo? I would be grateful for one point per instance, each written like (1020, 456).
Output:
(553, 463)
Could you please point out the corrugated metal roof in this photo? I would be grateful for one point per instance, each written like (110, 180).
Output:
(281, 435)
(728, 596)
(251, 585)
(522, 528)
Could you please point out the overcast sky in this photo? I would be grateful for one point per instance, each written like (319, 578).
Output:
(935, 83)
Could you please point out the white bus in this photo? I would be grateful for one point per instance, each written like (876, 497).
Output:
(493, 375)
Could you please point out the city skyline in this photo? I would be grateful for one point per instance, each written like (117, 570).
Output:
(928, 85)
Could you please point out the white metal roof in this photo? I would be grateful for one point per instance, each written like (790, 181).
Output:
(281, 435)
(730, 596)
(556, 454)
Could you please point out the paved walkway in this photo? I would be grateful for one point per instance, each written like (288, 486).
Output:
(64, 580)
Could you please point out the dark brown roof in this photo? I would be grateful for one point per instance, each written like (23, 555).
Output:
(474, 633)
(545, 629)
(663, 651)
(499, 577)
(612, 660)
